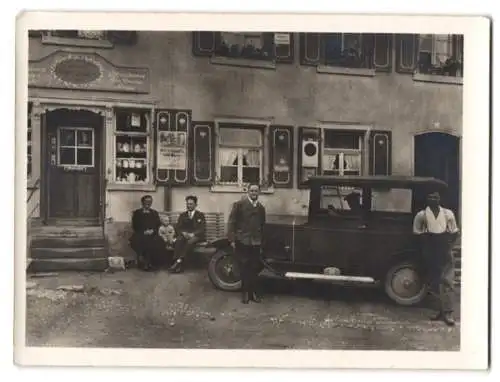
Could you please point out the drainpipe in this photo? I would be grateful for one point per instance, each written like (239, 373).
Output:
(167, 198)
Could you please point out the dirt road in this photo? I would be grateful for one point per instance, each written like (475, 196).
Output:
(158, 310)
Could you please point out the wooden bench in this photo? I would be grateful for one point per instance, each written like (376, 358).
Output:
(215, 224)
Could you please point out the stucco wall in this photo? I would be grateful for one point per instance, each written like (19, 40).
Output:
(291, 94)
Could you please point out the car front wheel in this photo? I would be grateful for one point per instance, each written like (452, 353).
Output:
(223, 271)
(404, 284)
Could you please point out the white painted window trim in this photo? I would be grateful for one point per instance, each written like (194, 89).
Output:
(346, 127)
(148, 185)
(264, 170)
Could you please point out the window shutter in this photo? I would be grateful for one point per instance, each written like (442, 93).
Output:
(172, 121)
(309, 149)
(284, 47)
(310, 49)
(380, 153)
(406, 52)
(201, 144)
(281, 156)
(203, 43)
(382, 52)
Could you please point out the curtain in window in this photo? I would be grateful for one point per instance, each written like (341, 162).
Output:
(228, 157)
(251, 158)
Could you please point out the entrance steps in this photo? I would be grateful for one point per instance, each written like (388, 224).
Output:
(67, 248)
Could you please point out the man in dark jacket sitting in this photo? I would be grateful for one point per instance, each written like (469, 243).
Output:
(145, 240)
(190, 230)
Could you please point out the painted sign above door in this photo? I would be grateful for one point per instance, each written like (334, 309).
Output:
(86, 71)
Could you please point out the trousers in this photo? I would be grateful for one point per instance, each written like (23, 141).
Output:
(184, 246)
(249, 265)
(441, 270)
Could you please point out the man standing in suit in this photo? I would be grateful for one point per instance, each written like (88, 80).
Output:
(245, 233)
(190, 230)
(145, 240)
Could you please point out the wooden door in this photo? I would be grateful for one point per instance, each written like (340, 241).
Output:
(74, 166)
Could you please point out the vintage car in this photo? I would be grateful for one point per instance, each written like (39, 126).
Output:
(358, 230)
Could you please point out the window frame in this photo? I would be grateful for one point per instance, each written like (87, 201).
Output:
(363, 133)
(75, 146)
(48, 37)
(454, 53)
(263, 126)
(147, 133)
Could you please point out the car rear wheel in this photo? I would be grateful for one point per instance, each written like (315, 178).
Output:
(223, 271)
(404, 284)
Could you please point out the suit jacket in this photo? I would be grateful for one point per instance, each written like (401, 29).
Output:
(246, 223)
(142, 221)
(196, 225)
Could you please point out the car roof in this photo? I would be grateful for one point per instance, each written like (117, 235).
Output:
(378, 181)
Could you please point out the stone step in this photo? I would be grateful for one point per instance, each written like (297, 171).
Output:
(72, 232)
(57, 265)
(67, 242)
(68, 253)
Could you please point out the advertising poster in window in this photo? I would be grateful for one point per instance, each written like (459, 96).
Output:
(172, 150)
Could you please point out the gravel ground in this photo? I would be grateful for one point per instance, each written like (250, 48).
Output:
(157, 310)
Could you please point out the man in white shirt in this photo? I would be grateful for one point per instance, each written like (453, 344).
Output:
(437, 228)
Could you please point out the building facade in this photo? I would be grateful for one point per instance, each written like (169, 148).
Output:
(114, 115)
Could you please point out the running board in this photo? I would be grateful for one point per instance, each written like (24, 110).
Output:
(317, 276)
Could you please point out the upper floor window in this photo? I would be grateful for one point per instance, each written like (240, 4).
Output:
(81, 34)
(85, 38)
(260, 46)
(439, 55)
(347, 50)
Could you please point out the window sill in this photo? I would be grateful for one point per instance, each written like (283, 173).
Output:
(237, 189)
(131, 187)
(325, 69)
(242, 62)
(52, 40)
(438, 79)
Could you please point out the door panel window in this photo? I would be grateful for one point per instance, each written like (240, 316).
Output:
(76, 146)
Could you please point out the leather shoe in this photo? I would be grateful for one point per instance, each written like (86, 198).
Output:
(245, 298)
(448, 320)
(176, 267)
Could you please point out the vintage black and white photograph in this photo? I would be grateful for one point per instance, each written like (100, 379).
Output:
(269, 189)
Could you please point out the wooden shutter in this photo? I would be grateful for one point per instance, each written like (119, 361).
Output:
(281, 156)
(310, 49)
(204, 43)
(382, 52)
(305, 134)
(172, 121)
(201, 145)
(285, 53)
(380, 152)
(406, 52)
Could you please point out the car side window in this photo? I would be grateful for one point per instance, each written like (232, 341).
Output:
(340, 201)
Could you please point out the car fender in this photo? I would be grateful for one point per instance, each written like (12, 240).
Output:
(412, 255)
